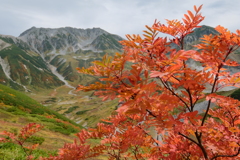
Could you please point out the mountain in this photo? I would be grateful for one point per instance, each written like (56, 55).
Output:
(48, 41)
(47, 58)
(195, 37)
(198, 33)
(20, 68)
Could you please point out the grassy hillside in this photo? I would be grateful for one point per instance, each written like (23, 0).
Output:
(22, 104)
(17, 110)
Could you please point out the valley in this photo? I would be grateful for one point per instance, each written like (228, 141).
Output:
(42, 63)
(89, 109)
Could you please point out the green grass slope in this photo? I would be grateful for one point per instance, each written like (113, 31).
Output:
(17, 110)
(22, 103)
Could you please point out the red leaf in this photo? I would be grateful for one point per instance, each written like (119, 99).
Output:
(157, 74)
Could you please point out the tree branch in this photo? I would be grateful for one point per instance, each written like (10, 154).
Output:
(200, 144)
(165, 85)
(234, 155)
(188, 138)
(214, 84)
(190, 97)
(150, 112)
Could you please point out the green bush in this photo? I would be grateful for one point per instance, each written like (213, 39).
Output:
(81, 112)
(12, 109)
(236, 94)
(16, 111)
(45, 119)
(63, 128)
(9, 151)
(8, 145)
(71, 109)
(35, 140)
(14, 131)
(60, 130)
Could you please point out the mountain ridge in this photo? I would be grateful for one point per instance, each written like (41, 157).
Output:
(47, 39)
(71, 46)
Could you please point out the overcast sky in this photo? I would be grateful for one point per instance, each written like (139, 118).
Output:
(119, 17)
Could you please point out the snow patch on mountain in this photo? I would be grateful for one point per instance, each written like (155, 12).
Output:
(7, 71)
(6, 68)
(25, 66)
(40, 69)
(3, 44)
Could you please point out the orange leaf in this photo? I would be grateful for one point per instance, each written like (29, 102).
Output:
(187, 17)
(195, 8)
(199, 8)
(157, 74)
(191, 14)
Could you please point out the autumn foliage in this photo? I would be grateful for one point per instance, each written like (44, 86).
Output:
(159, 91)
(158, 118)
(21, 138)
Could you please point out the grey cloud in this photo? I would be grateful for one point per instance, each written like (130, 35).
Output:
(118, 17)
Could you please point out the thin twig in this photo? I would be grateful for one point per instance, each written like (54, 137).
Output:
(234, 155)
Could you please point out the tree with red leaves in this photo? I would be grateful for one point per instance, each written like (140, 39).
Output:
(161, 90)
(159, 94)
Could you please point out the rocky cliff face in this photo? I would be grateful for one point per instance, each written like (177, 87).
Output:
(68, 40)
(45, 58)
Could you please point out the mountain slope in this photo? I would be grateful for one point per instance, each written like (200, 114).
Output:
(21, 102)
(47, 58)
(68, 48)
(24, 71)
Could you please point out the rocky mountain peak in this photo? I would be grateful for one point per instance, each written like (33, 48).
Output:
(28, 31)
(199, 32)
(51, 32)
(63, 40)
